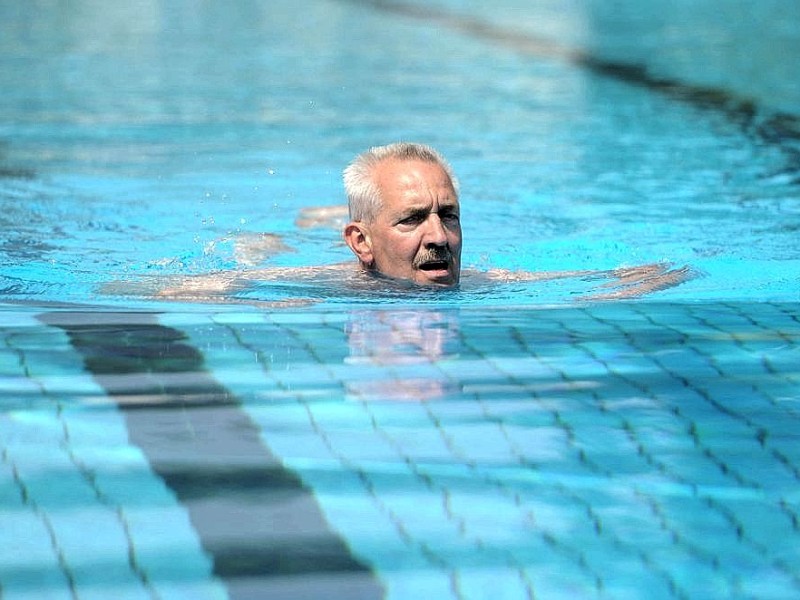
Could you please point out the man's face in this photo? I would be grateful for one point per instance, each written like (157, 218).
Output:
(417, 234)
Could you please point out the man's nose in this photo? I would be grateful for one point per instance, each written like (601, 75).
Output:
(435, 234)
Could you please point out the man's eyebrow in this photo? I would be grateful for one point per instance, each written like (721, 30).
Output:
(446, 204)
(413, 211)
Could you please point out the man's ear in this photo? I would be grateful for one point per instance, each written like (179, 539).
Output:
(356, 236)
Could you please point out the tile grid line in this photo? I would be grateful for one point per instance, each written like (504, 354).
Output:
(551, 539)
(462, 457)
(155, 352)
(25, 494)
(28, 500)
(459, 454)
(723, 467)
(709, 453)
(673, 587)
(761, 434)
(87, 476)
(651, 504)
(792, 341)
(346, 462)
(430, 554)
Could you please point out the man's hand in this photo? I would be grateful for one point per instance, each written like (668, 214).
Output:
(633, 282)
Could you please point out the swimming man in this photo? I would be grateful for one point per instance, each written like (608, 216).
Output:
(404, 225)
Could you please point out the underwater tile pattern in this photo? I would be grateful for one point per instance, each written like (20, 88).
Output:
(631, 450)
(619, 450)
(82, 514)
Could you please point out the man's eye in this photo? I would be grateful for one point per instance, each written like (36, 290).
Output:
(450, 217)
(411, 220)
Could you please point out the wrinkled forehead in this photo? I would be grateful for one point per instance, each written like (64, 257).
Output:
(410, 176)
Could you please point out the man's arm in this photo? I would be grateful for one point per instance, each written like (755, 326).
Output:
(633, 282)
(627, 282)
(224, 284)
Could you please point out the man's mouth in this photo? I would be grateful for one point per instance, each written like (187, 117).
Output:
(434, 265)
(434, 260)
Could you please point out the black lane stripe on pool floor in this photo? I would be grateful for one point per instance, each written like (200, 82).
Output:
(780, 129)
(263, 528)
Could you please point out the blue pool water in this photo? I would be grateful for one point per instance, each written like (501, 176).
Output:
(307, 439)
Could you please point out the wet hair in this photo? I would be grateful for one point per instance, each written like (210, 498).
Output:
(363, 195)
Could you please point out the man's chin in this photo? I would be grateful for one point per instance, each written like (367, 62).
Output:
(442, 278)
(436, 277)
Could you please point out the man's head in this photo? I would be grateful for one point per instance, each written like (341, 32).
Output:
(404, 213)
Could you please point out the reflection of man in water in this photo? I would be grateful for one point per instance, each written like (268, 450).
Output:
(397, 352)
(404, 226)
(403, 202)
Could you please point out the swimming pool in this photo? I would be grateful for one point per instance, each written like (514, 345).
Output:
(506, 441)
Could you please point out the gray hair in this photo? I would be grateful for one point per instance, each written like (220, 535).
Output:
(363, 195)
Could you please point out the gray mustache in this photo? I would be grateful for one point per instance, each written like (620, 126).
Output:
(434, 254)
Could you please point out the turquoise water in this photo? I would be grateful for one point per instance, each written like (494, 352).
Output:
(305, 439)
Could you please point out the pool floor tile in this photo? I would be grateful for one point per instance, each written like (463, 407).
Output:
(565, 454)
